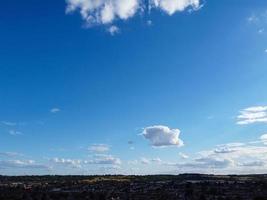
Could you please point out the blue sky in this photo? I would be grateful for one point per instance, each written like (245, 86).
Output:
(133, 88)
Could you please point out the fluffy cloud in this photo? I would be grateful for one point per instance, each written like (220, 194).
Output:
(103, 11)
(172, 6)
(106, 11)
(252, 115)
(113, 30)
(99, 148)
(162, 136)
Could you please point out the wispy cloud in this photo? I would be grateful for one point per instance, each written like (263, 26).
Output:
(15, 133)
(99, 148)
(67, 162)
(102, 159)
(9, 123)
(259, 21)
(55, 110)
(252, 115)
(10, 154)
(22, 164)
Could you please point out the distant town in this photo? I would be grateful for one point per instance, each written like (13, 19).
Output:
(167, 187)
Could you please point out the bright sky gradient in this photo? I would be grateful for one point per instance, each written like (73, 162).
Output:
(132, 87)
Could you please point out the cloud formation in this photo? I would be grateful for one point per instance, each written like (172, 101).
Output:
(104, 160)
(184, 156)
(21, 164)
(15, 133)
(162, 136)
(67, 162)
(9, 123)
(10, 154)
(99, 148)
(97, 12)
(55, 110)
(252, 115)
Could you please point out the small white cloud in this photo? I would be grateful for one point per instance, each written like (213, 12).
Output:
(232, 144)
(156, 160)
(224, 150)
(184, 156)
(145, 161)
(252, 115)
(99, 148)
(172, 6)
(14, 132)
(55, 110)
(113, 30)
(104, 160)
(67, 162)
(162, 136)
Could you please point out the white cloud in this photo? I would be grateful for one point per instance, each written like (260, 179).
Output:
(99, 148)
(156, 160)
(172, 6)
(103, 11)
(113, 30)
(67, 162)
(104, 160)
(162, 136)
(10, 154)
(224, 150)
(184, 156)
(14, 132)
(232, 144)
(252, 115)
(55, 110)
(107, 11)
(263, 139)
(145, 161)
(21, 164)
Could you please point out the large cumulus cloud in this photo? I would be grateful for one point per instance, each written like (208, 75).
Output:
(106, 11)
(162, 136)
